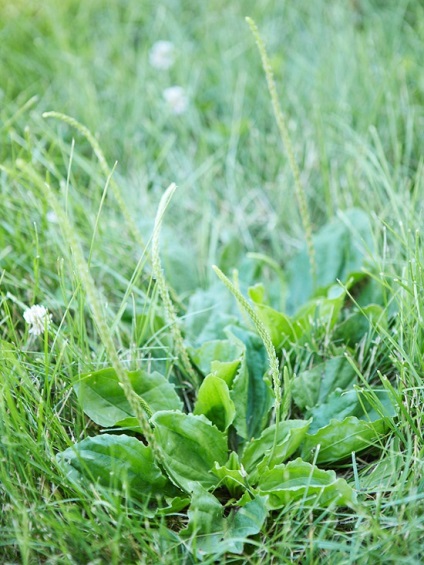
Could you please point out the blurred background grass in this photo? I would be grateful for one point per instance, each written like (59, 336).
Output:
(348, 76)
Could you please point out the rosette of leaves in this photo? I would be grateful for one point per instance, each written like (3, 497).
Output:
(224, 458)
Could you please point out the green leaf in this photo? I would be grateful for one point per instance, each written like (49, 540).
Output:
(118, 461)
(314, 386)
(329, 392)
(104, 401)
(226, 370)
(173, 505)
(340, 404)
(209, 312)
(341, 247)
(281, 328)
(206, 522)
(189, 447)
(212, 352)
(213, 400)
(368, 405)
(324, 310)
(251, 391)
(376, 404)
(271, 450)
(257, 294)
(300, 480)
(244, 522)
(360, 323)
(209, 533)
(339, 439)
(231, 475)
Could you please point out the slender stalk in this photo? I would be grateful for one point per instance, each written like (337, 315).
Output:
(264, 335)
(108, 172)
(285, 137)
(170, 312)
(85, 132)
(140, 407)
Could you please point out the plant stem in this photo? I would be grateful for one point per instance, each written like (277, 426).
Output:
(285, 137)
(170, 312)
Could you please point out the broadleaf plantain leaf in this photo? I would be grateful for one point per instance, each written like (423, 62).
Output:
(339, 439)
(189, 446)
(118, 461)
(300, 480)
(269, 450)
(213, 400)
(103, 399)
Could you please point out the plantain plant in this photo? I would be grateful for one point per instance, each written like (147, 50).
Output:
(259, 411)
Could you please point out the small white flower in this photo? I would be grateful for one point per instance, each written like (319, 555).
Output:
(176, 98)
(38, 318)
(51, 217)
(162, 55)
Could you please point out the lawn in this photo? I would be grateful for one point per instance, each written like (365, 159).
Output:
(211, 282)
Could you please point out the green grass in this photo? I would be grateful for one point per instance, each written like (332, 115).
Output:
(349, 78)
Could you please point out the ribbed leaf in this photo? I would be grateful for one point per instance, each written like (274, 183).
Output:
(339, 439)
(118, 461)
(104, 401)
(189, 447)
(299, 480)
(208, 532)
(213, 400)
(272, 450)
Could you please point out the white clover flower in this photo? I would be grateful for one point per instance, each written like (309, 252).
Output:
(38, 318)
(51, 217)
(176, 98)
(162, 55)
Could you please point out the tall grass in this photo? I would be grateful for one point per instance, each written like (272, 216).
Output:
(349, 79)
